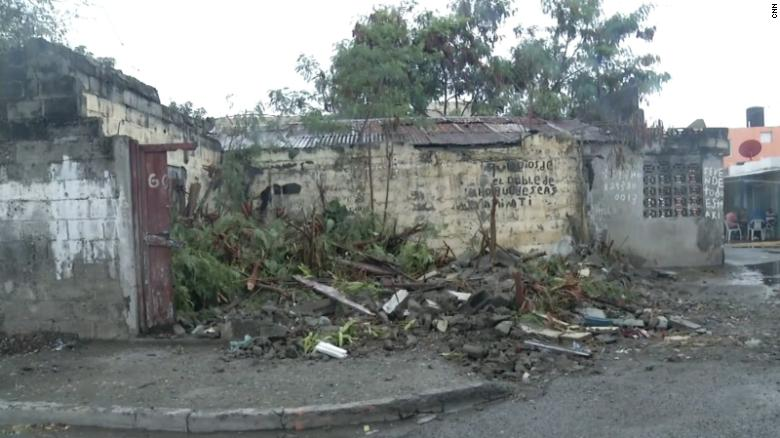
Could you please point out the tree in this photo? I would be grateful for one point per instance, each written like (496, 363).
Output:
(463, 72)
(376, 73)
(24, 19)
(582, 60)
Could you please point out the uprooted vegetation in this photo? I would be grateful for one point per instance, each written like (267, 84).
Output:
(237, 254)
(260, 279)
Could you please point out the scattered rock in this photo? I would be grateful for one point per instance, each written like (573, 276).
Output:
(504, 327)
(441, 325)
(474, 351)
(680, 322)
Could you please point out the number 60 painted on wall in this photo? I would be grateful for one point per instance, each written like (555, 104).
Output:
(154, 182)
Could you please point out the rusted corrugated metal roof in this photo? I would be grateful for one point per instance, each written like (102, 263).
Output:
(439, 131)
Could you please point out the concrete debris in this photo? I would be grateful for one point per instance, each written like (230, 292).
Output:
(628, 322)
(665, 274)
(331, 350)
(474, 351)
(432, 304)
(592, 312)
(243, 344)
(557, 349)
(680, 322)
(441, 325)
(504, 327)
(526, 377)
(392, 304)
(660, 323)
(677, 338)
(460, 296)
(610, 329)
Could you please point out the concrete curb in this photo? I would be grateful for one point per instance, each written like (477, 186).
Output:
(249, 419)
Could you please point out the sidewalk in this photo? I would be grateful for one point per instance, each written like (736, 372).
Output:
(199, 376)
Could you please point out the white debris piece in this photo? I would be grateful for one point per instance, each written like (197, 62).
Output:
(395, 301)
(331, 350)
(461, 296)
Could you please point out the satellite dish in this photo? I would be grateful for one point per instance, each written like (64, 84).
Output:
(750, 148)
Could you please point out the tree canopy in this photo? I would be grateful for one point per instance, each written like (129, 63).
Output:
(24, 19)
(403, 62)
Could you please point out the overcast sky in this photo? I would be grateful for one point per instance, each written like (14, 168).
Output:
(722, 54)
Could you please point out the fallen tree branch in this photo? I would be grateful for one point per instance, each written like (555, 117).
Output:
(332, 293)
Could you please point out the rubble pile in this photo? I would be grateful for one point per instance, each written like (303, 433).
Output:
(503, 313)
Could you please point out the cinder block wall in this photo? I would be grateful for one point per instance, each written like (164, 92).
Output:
(66, 240)
(539, 188)
(626, 203)
(45, 81)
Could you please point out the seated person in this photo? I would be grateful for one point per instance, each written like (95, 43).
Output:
(731, 220)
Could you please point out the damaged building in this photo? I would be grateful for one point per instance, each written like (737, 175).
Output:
(90, 159)
(75, 191)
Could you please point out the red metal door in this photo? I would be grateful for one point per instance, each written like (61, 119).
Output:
(152, 205)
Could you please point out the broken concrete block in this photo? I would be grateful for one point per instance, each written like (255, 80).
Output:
(392, 304)
(460, 296)
(628, 322)
(576, 336)
(504, 327)
(441, 325)
(661, 323)
(680, 322)
(474, 351)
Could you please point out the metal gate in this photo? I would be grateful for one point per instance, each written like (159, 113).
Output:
(152, 211)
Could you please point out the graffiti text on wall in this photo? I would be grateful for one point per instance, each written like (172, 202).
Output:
(622, 185)
(516, 184)
(713, 192)
(672, 187)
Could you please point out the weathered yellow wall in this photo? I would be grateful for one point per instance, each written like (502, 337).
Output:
(141, 120)
(539, 185)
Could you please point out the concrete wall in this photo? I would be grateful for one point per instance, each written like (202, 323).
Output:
(66, 237)
(662, 205)
(539, 188)
(48, 82)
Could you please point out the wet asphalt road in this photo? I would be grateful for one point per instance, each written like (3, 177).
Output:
(719, 389)
(631, 397)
